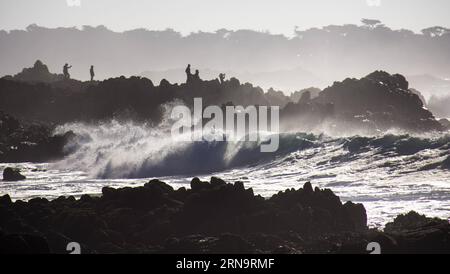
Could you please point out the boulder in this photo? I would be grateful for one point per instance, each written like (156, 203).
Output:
(213, 217)
(356, 213)
(411, 221)
(12, 174)
(197, 184)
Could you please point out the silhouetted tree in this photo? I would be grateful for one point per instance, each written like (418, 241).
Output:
(371, 23)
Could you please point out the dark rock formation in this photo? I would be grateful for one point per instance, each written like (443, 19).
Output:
(38, 73)
(411, 221)
(23, 142)
(211, 217)
(71, 100)
(377, 102)
(10, 174)
(416, 233)
(382, 99)
(372, 104)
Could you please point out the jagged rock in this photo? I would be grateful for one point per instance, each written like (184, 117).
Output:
(307, 187)
(212, 217)
(374, 103)
(217, 181)
(197, 184)
(11, 174)
(357, 215)
(161, 186)
(411, 221)
(38, 73)
(28, 142)
(382, 99)
(5, 200)
(415, 233)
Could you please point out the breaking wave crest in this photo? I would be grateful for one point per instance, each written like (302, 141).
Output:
(117, 149)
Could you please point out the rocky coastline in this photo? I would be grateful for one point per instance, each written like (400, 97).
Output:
(209, 217)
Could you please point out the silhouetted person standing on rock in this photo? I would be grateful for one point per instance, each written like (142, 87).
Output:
(66, 71)
(196, 76)
(188, 74)
(92, 73)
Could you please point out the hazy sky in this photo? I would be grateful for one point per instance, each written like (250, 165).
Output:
(276, 16)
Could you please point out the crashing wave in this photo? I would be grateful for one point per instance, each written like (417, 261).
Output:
(129, 150)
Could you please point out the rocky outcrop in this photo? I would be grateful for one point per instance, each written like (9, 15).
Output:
(23, 142)
(210, 217)
(383, 100)
(375, 103)
(39, 72)
(11, 174)
(415, 233)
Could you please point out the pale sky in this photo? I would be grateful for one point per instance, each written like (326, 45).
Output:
(276, 16)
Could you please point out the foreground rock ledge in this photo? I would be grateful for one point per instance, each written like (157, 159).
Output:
(210, 217)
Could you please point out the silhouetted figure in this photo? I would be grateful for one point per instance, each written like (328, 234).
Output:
(66, 71)
(188, 74)
(92, 73)
(222, 78)
(196, 76)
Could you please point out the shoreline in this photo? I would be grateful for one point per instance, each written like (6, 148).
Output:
(379, 210)
(211, 217)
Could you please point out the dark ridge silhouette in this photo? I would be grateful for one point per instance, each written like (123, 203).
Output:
(377, 102)
(210, 217)
(65, 100)
(39, 72)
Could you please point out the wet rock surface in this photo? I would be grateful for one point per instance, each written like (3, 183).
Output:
(29, 142)
(11, 174)
(210, 217)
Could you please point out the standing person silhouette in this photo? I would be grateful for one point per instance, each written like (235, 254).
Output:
(188, 73)
(92, 73)
(197, 76)
(66, 71)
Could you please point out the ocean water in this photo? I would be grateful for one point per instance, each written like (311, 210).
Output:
(390, 174)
